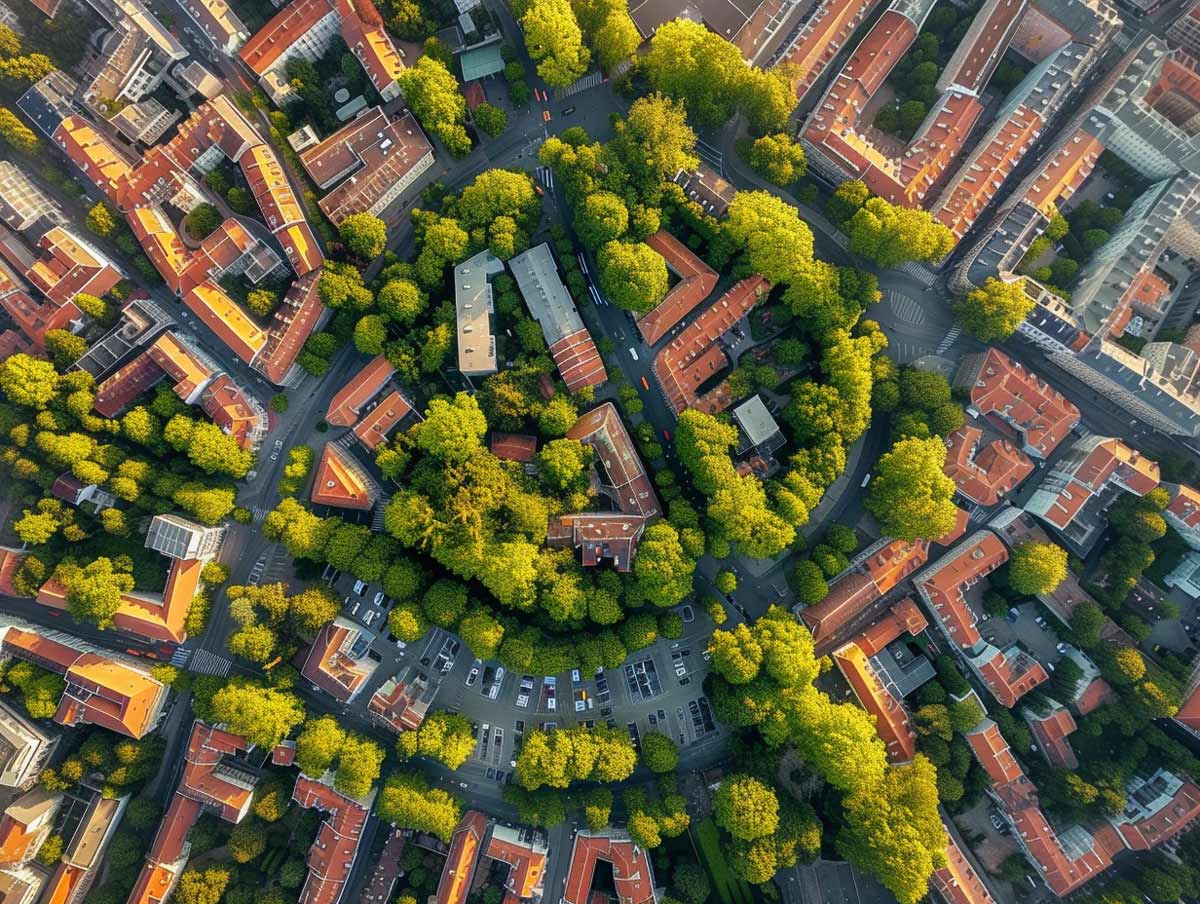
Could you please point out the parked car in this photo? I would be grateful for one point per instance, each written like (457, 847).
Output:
(359, 587)
(474, 674)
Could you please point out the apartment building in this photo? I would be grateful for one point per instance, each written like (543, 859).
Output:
(22, 204)
(474, 312)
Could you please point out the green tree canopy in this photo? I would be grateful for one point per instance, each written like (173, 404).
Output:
(1037, 568)
(633, 276)
(910, 496)
(364, 235)
(994, 310)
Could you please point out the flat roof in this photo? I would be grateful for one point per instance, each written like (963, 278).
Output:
(480, 62)
(756, 420)
(473, 310)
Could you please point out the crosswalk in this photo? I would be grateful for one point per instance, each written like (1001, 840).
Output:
(260, 514)
(377, 518)
(545, 175)
(907, 309)
(591, 80)
(180, 657)
(206, 663)
(950, 338)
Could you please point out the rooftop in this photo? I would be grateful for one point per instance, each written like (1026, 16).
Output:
(632, 872)
(331, 858)
(603, 430)
(335, 664)
(696, 282)
(341, 481)
(351, 399)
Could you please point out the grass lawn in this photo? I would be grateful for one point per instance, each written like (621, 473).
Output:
(728, 888)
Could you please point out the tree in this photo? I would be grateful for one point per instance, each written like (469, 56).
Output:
(370, 334)
(94, 590)
(690, 882)
(910, 496)
(809, 582)
(402, 301)
(778, 159)
(358, 766)
(848, 198)
(264, 716)
(778, 244)
(558, 758)
(562, 463)
(201, 886)
(94, 307)
(632, 275)
(1087, 620)
(247, 841)
(597, 808)
(262, 302)
(655, 141)
(555, 42)
(318, 745)
(663, 571)
(608, 30)
(601, 218)
(491, 120)
(659, 753)
(891, 235)
(16, 134)
(1037, 568)
(688, 62)
(432, 94)
(202, 221)
(311, 609)
(481, 633)
(364, 235)
(746, 808)
(995, 310)
(28, 381)
(452, 430)
(408, 801)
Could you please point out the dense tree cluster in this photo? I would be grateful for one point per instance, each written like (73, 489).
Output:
(431, 91)
(408, 801)
(446, 737)
(910, 495)
(689, 62)
(994, 310)
(271, 623)
(885, 233)
(556, 759)
(763, 677)
(322, 743)
(1037, 568)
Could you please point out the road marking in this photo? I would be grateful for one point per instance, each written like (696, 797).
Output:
(591, 80)
(907, 309)
(207, 663)
(582, 263)
(950, 339)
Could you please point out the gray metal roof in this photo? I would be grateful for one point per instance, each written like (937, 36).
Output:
(756, 420)
(547, 297)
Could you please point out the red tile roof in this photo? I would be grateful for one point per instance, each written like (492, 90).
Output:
(401, 702)
(1184, 508)
(994, 754)
(693, 357)
(892, 721)
(364, 34)
(1065, 171)
(873, 577)
(696, 282)
(514, 446)
(985, 44)
(1051, 732)
(69, 266)
(10, 563)
(1108, 460)
(1004, 388)
(270, 44)
(100, 690)
(632, 872)
(221, 314)
(603, 430)
(291, 325)
(331, 857)
(903, 618)
(526, 862)
(823, 36)
(988, 475)
(375, 425)
(464, 852)
(93, 154)
(1010, 674)
(26, 823)
(235, 411)
(125, 384)
(958, 882)
(578, 361)
(351, 399)
(1095, 695)
(942, 584)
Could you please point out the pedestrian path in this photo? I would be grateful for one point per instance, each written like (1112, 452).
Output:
(207, 663)
(710, 153)
(380, 513)
(591, 80)
(260, 514)
(907, 309)
(949, 340)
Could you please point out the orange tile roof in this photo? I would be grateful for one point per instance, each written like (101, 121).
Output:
(235, 411)
(696, 282)
(461, 859)
(958, 882)
(341, 482)
(1094, 696)
(10, 563)
(70, 266)
(345, 406)
(375, 425)
(994, 754)
(973, 62)
(161, 242)
(1061, 176)
(93, 154)
(100, 690)
(181, 363)
(1165, 823)
(205, 784)
(632, 873)
(823, 36)
(578, 361)
(1004, 388)
(693, 357)
(514, 446)
(903, 618)
(399, 704)
(25, 824)
(364, 34)
(892, 721)
(942, 584)
(34, 317)
(526, 865)
(329, 666)
(269, 45)
(991, 474)
(331, 858)
(223, 316)
(1051, 732)
(1108, 460)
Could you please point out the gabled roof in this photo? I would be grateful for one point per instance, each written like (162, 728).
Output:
(513, 446)
(331, 858)
(1051, 731)
(465, 848)
(603, 430)
(341, 481)
(696, 282)
(942, 584)
(986, 475)
(351, 399)
(892, 721)
(632, 872)
(958, 882)
(375, 425)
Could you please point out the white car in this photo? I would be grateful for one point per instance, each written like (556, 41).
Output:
(551, 704)
(369, 617)
(523, 701)
(633, 353)
(359, 587)
(474, 675)
(379, 598)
